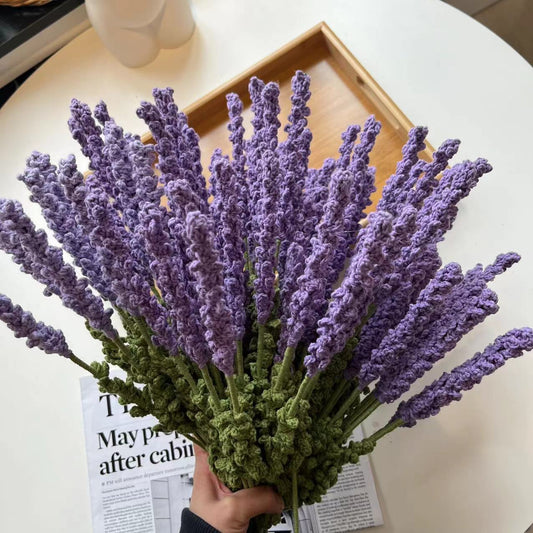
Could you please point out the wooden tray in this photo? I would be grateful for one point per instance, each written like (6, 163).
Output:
(343, 93)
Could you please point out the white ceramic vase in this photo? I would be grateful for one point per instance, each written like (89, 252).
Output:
(135, 30)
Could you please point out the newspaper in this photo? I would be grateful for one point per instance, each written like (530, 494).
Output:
(140, 480)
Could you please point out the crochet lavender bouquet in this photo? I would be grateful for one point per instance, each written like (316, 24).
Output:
(266, 316)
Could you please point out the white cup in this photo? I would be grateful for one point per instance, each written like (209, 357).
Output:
(135, 30)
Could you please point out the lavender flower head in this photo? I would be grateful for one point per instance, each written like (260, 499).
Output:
(307, 302)
(449, 387)
(350, 301)
(38, 335)
(207, 271)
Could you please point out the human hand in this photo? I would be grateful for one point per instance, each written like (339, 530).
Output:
(229, 512)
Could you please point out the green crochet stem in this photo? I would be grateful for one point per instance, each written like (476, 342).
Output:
(211, 387)
(145, 333)
(296, 519)
(285, 368)
(347, 404)
(364, 410)
(215, 373)
(278, 246)
(234, 395)
(240, 359)
(123, 348)
(334, 399)
(83, 365)
(261, 329)
(391, 426)
(182, 366)
(304, 391)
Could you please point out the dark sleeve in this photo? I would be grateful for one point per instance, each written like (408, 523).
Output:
(191, 523)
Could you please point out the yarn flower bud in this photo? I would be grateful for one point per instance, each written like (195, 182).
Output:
(391, 353)
(309, 299)
(37, 334)
(391, 199)
(349, 303)
(428, 181)
(450, 386)
(236, 138)
(229, 233)
(29, 248)
(169, 268)
(208, 272)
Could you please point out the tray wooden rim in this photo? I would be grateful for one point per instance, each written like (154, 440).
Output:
(320, 33)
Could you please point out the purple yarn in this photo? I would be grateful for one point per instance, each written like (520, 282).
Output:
(229, 233)
(169, 268)
(294, 161)
(265, 239)
(393, 349)
(89, 136)
(427, 183)
(295, 265)
(236, 138)
(184, 142)
(362, 187)
(466, 306)
(392, 301)
(440, 210)
(309, 300)
(348, 138)
(118, 258)
(254, 149)
(419, 262)
(37, 334)
(46, 190)
(116, 151)
(500, 265)
(398, 183)
(75, 191)
(208, 272)
(265, 221)
(181, 198)
(315, 197)
(349, 303)
(101, 113)
(29, 248)
(450, 386)
(400, 237)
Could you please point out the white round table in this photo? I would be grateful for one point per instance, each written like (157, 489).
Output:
(468, 470)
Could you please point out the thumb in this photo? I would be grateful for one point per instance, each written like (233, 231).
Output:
(258, 500)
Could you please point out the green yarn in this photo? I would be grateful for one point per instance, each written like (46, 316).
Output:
(276, 428)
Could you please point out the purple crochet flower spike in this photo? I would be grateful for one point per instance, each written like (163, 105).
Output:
(294, 159)
(169, 268)
(449, 387)
(349, 303)
(238, 164)
(309, 300)
(466, 306)
(229, 232)
(391, 199)
(30, 249)
(266, 219)
(386, 360)
(37, 334)
(208, 273)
